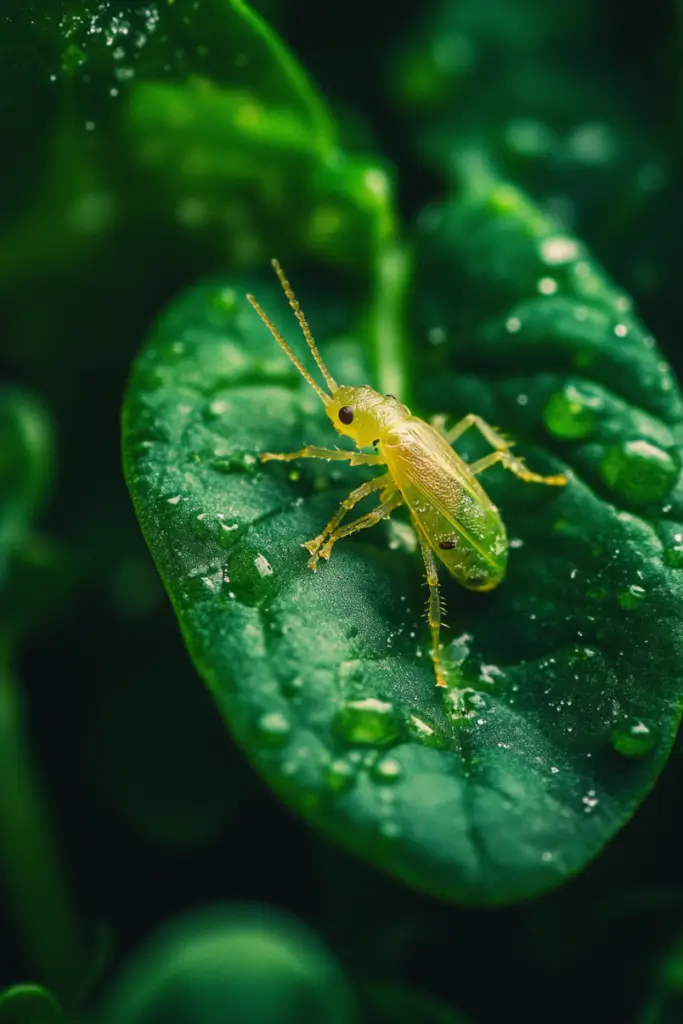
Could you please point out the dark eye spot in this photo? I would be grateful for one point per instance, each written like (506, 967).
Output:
(346, 414)
(448, 543)
(375, 443)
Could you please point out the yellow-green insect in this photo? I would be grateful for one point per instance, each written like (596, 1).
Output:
(454, 518)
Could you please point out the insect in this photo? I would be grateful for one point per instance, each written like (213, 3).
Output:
(454, 519)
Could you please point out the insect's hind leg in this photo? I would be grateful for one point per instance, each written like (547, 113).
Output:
(392, 500)
(502, 453)
(516, 466)
(434, 608)
(314, 546)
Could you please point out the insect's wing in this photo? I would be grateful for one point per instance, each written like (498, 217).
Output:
(454, 512)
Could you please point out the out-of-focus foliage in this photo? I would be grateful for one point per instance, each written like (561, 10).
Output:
(29, 1004)
(248, 965)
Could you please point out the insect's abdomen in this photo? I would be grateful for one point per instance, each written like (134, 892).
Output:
(448, 503)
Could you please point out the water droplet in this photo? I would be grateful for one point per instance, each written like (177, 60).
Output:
(572, 413)
(528, 138)
(674, 556)
(371, 721)
(547, 285)
(402, 536)
(621, 330)
(513, 324)
(639, 471)
(339, 775)
(273, 729)
(225, 300)
(263, 566)
(424, 732)
(174, 500)
(436, 335)
(390, 830)
(589, 801)
(387, 769)
(634, 738)
(632, 597)
(557, 251)
(292, 687)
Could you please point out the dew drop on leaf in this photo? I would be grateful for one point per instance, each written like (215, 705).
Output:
(634, 738)
(386, 770)
(639, 471)
(571, 413)
(371, 721)
(340, 775)
(559, 250)
(631, 597)
(273, 729)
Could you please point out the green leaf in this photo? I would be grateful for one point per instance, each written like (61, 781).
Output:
(242, 963)
(29, 1004)
(325, 679)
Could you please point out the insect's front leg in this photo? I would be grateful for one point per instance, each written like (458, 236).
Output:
(314, 546)
(434, 608)
(312, 452)
(393, 500)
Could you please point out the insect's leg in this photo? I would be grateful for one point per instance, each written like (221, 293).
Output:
(313, 546)
(311, 452)
(502, 452)
(489, 433)
(439, 423)
(434, 608)
(516, 466)
(393, 500)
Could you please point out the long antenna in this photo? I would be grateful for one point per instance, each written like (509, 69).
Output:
(303, 323)
(283, 344)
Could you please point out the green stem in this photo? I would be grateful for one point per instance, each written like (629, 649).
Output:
(30, 863)
(388, 315)
(302, 85)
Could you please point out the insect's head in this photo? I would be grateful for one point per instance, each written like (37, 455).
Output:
(363, 413)
(357, 412)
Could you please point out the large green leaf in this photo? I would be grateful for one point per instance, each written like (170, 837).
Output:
(325, 680)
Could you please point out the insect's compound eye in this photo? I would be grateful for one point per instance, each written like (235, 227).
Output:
(346, 415)
(448, 543)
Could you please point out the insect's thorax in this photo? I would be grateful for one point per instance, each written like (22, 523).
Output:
(447, 503)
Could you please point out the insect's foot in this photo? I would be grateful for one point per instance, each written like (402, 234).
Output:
(268, 456)
(556, 481)
(313, 546)
(326, 551)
